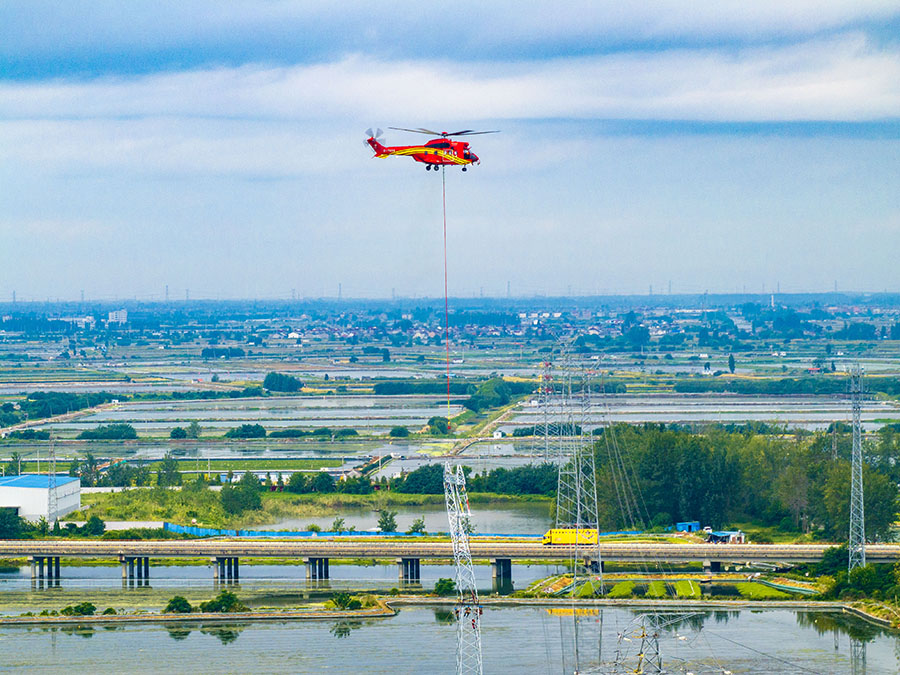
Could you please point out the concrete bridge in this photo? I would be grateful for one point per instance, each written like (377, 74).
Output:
(224, 554)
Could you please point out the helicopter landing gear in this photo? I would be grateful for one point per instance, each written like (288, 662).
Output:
(464, 168)
(428, 167)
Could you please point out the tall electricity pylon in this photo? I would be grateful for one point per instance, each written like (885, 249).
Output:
(542, 430)
(857, 657)
(52, 497)
(576, 493)
(468, 610)
(857, 506)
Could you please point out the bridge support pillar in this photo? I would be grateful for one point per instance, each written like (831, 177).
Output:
(409, 570)
(317, 568)
(56, 565)
(710, 566)
(501, 569)
(225, 567)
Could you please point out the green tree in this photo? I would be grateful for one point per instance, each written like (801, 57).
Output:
(109, 432)
(343, 600)
(12, 467)
(387, 521)
(297, 483)
(178, 605)
(168, 474)
(417, 527)
(337, 525)
(178, 433)
(439, 426)
(282, 382)
(81, 609)
(323, 482)
(445, 587)
(731, 363)
(247, 431)
(194, 430)
(10, 524)
(426, 480)
(880, 496)
(399, 432)
(94, 526)
(241, 496)
(225, 601)
(89, 470)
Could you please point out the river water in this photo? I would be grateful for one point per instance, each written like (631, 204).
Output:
(422, 640)
(521, 518)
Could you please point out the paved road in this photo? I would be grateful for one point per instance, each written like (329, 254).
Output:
(621, 552)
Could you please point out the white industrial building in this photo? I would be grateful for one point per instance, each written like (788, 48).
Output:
(29, 494)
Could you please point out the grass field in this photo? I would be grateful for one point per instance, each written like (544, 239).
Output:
(754, 591)
(688, 589)
(238, 465)
(657, 589)
(623, 589)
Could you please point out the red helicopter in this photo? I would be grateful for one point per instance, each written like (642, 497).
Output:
(442, 151)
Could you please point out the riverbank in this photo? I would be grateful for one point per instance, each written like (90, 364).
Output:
(203, 506)
(388, 607)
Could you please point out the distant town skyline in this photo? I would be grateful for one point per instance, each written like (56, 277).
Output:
(217, 148)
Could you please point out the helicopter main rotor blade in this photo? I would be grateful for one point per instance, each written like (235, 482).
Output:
(469, 132)
(417, 131)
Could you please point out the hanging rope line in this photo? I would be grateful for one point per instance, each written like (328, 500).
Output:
(446, 300)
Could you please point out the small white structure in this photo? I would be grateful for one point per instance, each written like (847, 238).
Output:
(119, 316)
(29, 494)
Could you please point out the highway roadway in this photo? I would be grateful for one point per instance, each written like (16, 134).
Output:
(343, 549)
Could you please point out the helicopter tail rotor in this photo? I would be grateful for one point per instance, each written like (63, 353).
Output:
(373, 136)
(374, 140)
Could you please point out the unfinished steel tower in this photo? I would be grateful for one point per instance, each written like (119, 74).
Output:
(52, 497)
(468, 610)
(576, 493)
(857, 506)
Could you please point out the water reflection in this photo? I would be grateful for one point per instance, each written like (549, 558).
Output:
(225, 634)
(178, 632)
(521, 639)
(85, 632)
(444, 616)
(342, 629)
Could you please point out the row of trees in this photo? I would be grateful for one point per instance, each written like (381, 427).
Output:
(720, 477)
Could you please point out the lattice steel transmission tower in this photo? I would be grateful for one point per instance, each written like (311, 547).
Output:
(857, 506)
(468, 610)
(576, 492)
(52, 497)
(857, 657)
(543, 430)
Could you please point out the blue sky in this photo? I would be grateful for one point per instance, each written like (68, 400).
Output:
(218, 146)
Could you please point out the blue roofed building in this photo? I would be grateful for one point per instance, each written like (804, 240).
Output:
(29, 495)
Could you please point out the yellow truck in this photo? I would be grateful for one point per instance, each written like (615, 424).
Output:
(570, 536)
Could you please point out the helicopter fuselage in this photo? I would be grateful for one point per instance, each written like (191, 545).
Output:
(438, 152)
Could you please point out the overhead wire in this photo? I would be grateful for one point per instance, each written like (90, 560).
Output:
(446, 297)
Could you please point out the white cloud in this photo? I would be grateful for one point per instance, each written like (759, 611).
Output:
(843, 78)
(275, 28)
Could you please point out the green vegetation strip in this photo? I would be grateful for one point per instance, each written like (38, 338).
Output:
(755, 591)
(252, 464)
(688, 589)
(623, 589)
(657, 589)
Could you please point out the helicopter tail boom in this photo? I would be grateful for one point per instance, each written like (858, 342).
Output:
(378, 148)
